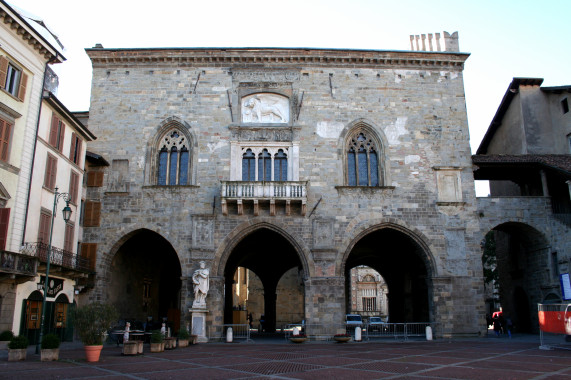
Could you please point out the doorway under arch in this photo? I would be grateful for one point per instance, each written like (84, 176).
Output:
(521, 258)
(275, 261)
(145, 280)
(403, 264)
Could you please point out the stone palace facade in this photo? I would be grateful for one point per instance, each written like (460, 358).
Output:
(303, 161)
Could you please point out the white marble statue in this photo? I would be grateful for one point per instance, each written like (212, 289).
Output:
(200, 283)
(265, 108)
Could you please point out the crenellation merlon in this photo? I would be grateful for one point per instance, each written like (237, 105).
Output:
(446, 40)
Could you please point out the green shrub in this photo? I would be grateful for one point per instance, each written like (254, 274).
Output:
(156, 336)
(92, 322)
(183, 334)
(6, 335)
(50, 341)
(18, 342)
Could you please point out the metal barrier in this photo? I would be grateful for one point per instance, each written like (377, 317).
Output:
(238, 332)
(396, 330)
(554, 326)
(316, 331)
(369, 331)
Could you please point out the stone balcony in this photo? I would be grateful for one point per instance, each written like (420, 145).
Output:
(258, 196)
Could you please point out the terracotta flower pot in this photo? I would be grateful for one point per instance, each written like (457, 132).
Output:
(92, 353)
(298, 339)
(342, 339)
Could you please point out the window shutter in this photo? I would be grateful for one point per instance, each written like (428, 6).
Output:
(72, 150)
(3, 71)
(94, 179)
(53, 131)
(51, 171)
(68, 238)
(92, 214)
(44, 232)
(78, 151)
(73, 186)
(61, 136)
(4, 220)
(22, 88)
(89, 252)
(5, 133)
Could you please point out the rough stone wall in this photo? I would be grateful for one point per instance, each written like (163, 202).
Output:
(418, 112)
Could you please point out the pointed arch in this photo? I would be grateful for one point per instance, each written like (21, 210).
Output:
(364, 155)
(171, 154)
(240, 232)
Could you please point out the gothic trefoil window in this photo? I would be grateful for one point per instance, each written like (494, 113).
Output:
(362, 161)
(173, 160)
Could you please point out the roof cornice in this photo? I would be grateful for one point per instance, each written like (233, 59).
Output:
(69, 116)
(15, 22)
(276, 57)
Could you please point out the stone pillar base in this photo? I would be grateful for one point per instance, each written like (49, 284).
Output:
(198, 324)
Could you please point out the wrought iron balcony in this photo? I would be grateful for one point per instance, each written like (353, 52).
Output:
(59, 257)
(17, 266)
(256, 192)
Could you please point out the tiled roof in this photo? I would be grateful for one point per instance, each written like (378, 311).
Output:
(560, 162)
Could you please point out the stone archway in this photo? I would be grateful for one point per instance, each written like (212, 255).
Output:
(523, 270)
(404, 263)
(145, 279)
(269, 253)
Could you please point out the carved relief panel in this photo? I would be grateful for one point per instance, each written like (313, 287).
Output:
(202, 231)
(267, 108)
(322, 233)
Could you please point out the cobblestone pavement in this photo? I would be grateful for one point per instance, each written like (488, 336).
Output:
(486, 358)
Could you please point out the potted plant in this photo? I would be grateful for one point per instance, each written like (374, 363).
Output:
(17, 348)
(50, 347)
(5, 338)
(91, 323)
(299, 338)
(183, 337)
(342, 338)
(157, 341)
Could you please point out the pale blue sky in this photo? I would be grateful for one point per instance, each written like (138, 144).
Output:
(506, 39)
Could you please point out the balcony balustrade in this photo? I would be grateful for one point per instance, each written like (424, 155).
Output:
(286, 193)
(16, 265)
(59, 257)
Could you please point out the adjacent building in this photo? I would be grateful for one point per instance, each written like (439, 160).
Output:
(41, 171)
(27, 49)
(526, 156)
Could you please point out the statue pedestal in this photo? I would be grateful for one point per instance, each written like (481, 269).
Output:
(198, 323)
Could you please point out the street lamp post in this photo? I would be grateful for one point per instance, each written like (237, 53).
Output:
(66, 216)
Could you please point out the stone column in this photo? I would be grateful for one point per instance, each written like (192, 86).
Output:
(544, 183)
(270, 298)
(186, 296)
(325, 300)
(215, 302)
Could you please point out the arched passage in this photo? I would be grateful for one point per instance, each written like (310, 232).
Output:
(145, 279)
(522, 262)
(269, 255)
(404, 265)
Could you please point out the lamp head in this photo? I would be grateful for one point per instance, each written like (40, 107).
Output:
(66, 212)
